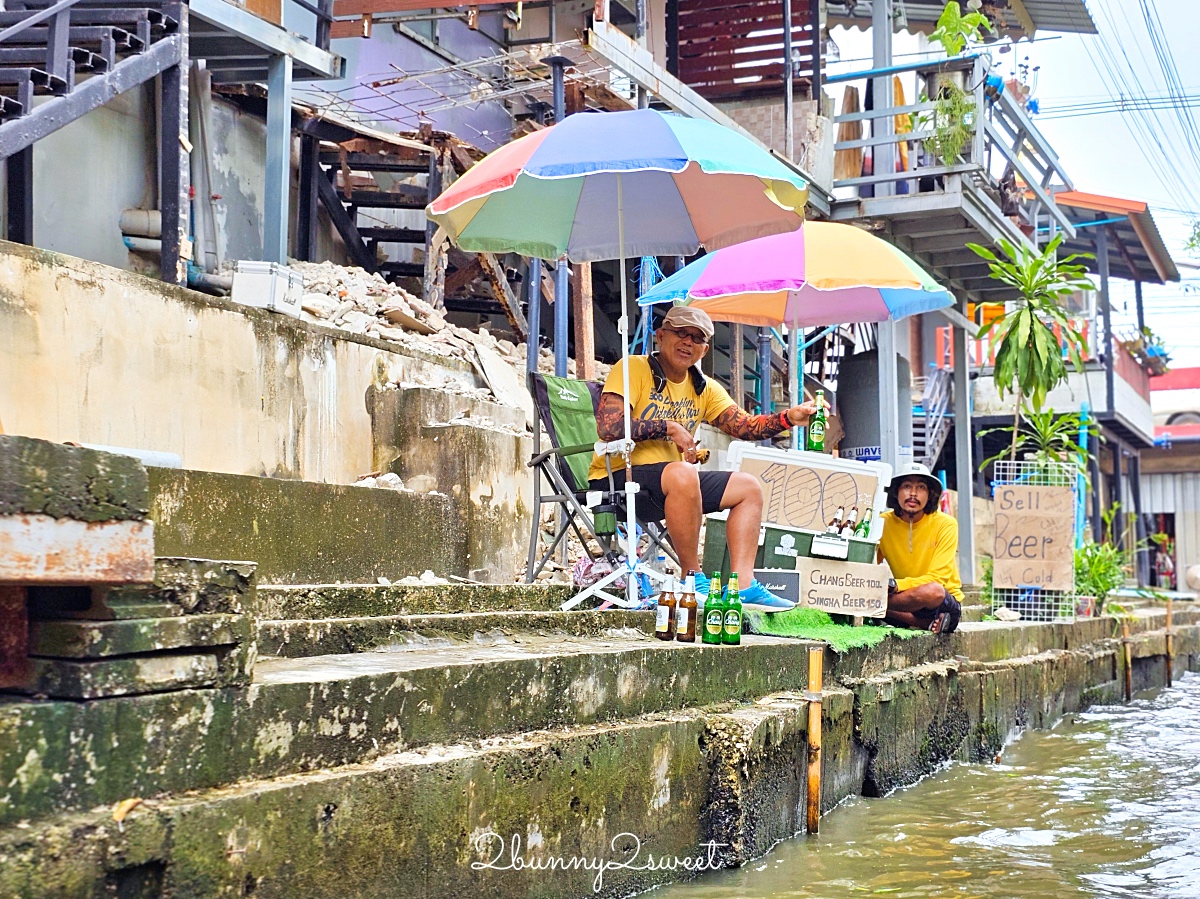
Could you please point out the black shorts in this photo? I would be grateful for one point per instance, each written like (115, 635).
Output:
(651, 499)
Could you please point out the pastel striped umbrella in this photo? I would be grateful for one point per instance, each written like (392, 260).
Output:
(825, 273)
(687, 184)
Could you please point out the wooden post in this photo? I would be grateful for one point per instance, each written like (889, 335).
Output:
(14, 637)
(1128, 653)
(1170, 647)
(816, 675)
(581, 312)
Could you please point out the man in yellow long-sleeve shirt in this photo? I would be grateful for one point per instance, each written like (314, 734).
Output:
(920, 545)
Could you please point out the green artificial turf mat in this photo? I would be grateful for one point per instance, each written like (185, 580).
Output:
(813, 624)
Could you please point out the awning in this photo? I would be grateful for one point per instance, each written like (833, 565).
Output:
(1136, 251)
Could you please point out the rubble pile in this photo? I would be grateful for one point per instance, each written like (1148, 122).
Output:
(363, 302)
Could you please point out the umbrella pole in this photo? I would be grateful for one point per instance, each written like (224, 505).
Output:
(795, 372)
(631, 558)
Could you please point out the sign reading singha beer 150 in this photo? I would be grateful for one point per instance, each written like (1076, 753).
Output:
(843, 588)
(1035, 537)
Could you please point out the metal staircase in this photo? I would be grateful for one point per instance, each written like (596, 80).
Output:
(358, 191)
(931, 420)
(82, 53)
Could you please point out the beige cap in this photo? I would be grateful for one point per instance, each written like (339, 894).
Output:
(688, 317)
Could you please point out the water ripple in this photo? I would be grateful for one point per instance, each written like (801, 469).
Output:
(1105, 805)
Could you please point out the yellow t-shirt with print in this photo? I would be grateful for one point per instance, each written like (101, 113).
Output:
(677, 402)
(922, 553)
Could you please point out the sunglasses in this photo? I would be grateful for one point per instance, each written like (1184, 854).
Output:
(697, 338)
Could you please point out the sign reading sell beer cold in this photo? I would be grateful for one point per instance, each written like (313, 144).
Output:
(843, 588)
(1035, 537)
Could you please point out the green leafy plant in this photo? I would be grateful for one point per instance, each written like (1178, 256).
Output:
(956, 29)
(1050, 437)
(952, 121)
(988, 587)
(1192, 245)
(1029, 358)
(1099, 569)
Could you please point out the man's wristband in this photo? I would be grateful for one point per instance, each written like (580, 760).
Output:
(783, 419)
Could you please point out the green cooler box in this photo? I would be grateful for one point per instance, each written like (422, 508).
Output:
(779, 548)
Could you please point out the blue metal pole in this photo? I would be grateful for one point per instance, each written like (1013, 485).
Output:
(561, 285)
(533, 314)
(764, 370)
(279, 159)
(1080, 481)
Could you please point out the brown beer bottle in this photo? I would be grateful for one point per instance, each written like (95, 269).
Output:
(664, 622)
(685, 619)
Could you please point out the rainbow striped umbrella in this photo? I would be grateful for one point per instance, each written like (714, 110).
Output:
(823, 274)
(687, 184)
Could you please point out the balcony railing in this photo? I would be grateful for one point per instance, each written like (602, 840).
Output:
(1007, 161)
(983, 353)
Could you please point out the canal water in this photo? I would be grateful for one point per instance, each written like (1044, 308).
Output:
(1107, 804)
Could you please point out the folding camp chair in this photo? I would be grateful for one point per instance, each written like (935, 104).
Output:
(567, 409)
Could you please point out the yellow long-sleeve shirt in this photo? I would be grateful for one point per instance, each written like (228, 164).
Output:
(924, 554)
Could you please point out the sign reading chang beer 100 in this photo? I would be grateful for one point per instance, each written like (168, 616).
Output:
(806, 495)
(1035, 537)
(843, 588)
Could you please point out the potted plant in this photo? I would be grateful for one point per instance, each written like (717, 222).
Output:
(952, 119)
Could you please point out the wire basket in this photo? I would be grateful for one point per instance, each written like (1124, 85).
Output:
(1036, 603)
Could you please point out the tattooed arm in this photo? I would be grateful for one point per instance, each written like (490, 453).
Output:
(610, 422)
(744, 426)
(610, 425)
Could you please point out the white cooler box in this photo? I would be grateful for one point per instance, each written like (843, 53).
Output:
(268, 285)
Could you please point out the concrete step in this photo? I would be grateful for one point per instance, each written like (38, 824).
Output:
(301, 714)
(326, 636)
(411, 823)
(373, 600)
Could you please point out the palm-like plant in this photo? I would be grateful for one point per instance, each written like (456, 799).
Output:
(1029, 357)
(1050, 437)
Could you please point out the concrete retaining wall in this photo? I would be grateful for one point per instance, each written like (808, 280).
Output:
(717, 784)
(92, 354)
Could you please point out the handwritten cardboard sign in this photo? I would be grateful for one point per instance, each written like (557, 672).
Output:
(806, 495)
(843, 588)
(1035, 537)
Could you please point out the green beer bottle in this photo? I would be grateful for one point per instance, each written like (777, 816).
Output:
(714, 612)
(863, 531)
(816, 426)
(732, 635)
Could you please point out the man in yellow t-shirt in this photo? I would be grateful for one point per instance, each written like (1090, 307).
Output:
(920, 545)
(668, 398)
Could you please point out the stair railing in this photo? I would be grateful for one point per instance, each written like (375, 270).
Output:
(57, 43)
(935, 401)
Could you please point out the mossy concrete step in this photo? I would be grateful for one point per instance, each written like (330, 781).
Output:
(378, 600)
(413, 823)
(450, 820)
(302, 714)
(328, 636)
(309, 713)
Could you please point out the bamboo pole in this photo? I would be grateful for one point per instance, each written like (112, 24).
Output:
(1170, 646)
(816, 675)
(1128, 660)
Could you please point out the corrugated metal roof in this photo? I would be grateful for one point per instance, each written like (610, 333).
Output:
(1012, 17)
(1137, 251)
(1177, 494)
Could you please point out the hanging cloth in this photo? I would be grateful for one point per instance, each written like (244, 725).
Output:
(903, 122)
(848, 163)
